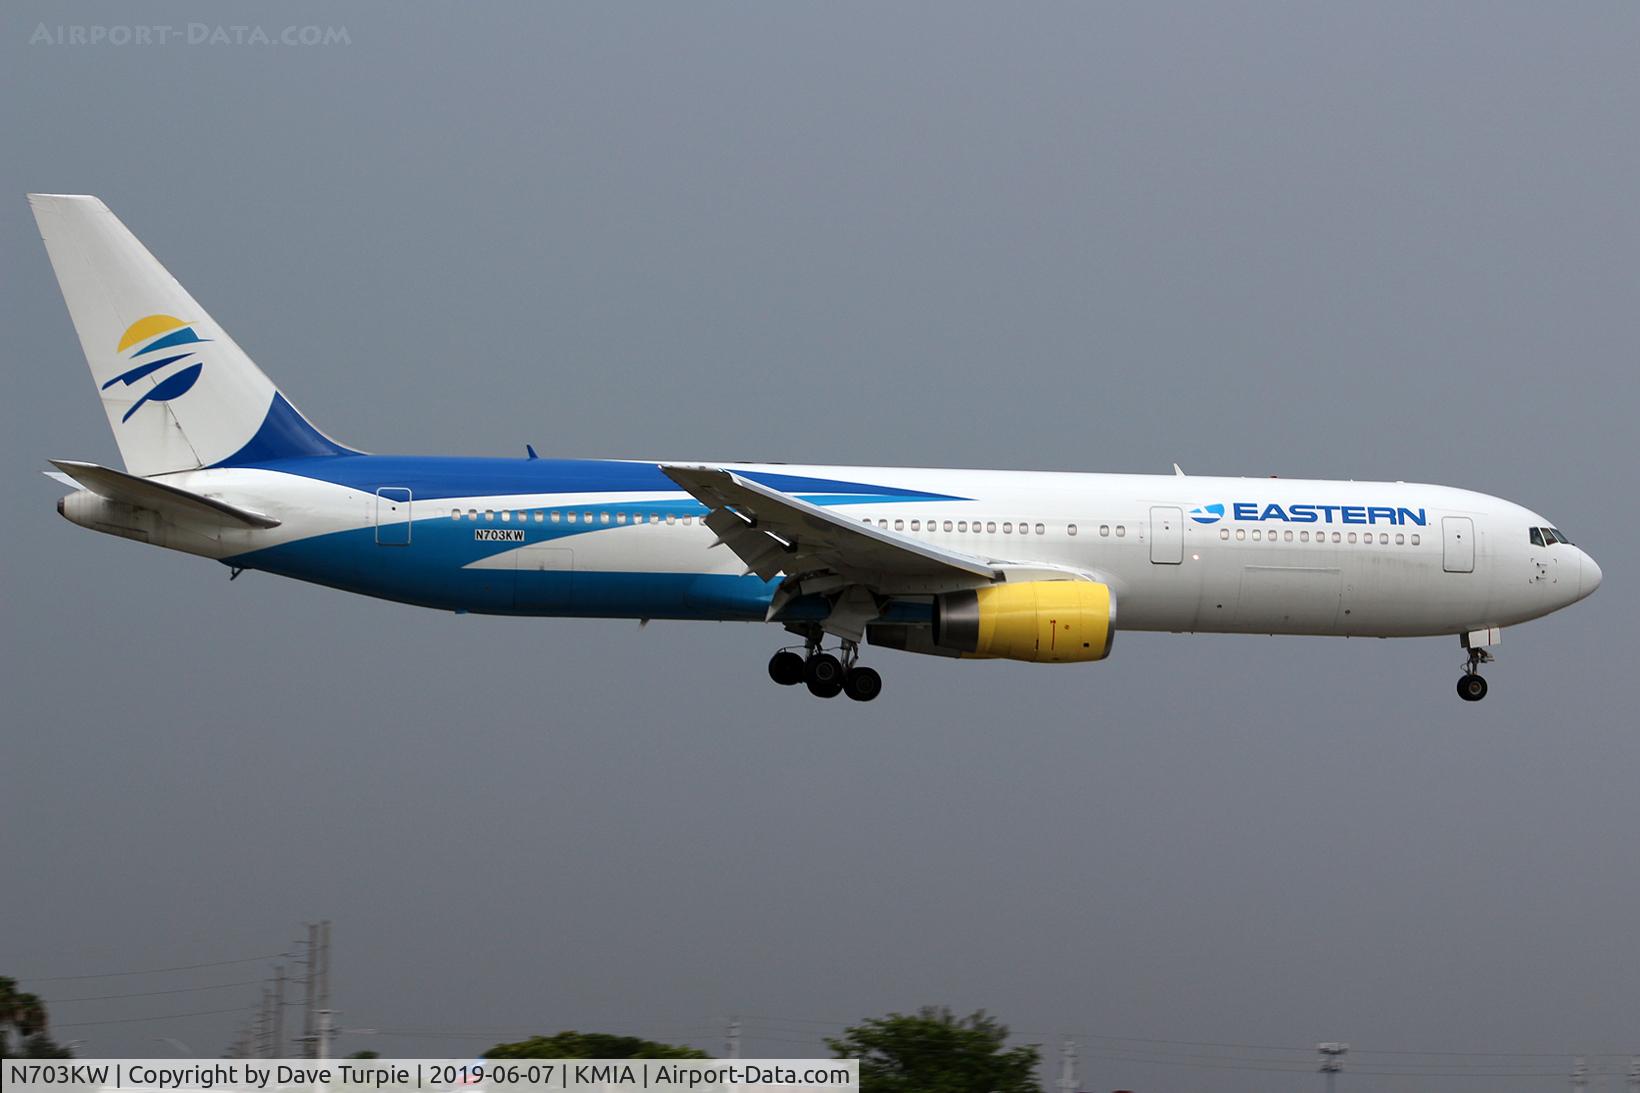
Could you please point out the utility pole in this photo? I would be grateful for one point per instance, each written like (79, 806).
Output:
(731, 1039)
(308, 981)
(1332, 1061)
(1067, 1067)
(264, 1027)
(327, 1026)
(278, 1033)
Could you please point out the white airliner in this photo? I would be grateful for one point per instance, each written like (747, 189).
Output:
(1040, 567)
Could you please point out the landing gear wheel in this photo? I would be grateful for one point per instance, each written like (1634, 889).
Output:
(824, 675)
(786, 668)
(1471, 688)
(862, 684)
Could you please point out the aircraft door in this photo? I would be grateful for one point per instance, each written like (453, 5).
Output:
(1166, 535)
(393, 516)
(1458, 544)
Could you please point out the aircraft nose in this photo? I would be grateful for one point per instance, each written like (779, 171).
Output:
(1588, 576)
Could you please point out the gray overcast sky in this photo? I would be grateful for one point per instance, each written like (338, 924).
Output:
(1383, 241)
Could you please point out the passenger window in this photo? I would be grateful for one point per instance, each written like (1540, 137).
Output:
(687, 520)
(1224, 533)
(948, 525)
(899, 525)
(1040, 530)
(455, 514)
(620, 517)
(1537, 537)
(472, 514)
(1338, 538)
(990, 527)
(1400, 539)
(555, 516)
(571, 517)
(489, 514)
(1104, 529)
(540, 516)
(1070, 529)
(962, 525)
(1383, 538)
(1007, 527)
(1287, 535)
(1303, 536)
(1257, 535)
(671, 518)
(916, 525)
(1416, 539)
(1352, 536)
(1241, 534)
(1121, 530)
(505, 516)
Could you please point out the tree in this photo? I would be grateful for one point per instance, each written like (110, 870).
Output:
(591, 1045)
(933, 1052)
(25, 1014)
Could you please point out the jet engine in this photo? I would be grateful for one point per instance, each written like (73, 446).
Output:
(1048, 622)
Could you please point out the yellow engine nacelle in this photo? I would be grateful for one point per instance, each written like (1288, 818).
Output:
(1049, 622)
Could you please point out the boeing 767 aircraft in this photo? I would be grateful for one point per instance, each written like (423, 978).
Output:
(1042, 567)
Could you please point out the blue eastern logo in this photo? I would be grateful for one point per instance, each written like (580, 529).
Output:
(1208, 514)
(150, 335)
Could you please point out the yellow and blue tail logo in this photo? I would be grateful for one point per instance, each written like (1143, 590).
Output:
(149, 338)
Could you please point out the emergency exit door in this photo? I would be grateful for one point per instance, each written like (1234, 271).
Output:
(393, 516)
(1458, 544)
(1166, 535)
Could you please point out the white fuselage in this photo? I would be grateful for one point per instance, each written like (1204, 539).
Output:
(1227, 555)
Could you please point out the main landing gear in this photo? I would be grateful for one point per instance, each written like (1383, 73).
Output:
(1471, 685)
(825, 675)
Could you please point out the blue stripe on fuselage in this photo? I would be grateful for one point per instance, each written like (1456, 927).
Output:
(431, 478)
(430, 572)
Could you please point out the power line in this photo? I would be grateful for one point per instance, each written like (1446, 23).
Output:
(150, 994)
(160, 1017)
(147, 971)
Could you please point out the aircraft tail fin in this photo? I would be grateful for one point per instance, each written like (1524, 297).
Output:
(178, 391)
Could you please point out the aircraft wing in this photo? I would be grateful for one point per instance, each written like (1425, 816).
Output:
(148, 494)
(775, 533)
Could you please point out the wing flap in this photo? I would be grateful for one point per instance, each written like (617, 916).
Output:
(774, 532)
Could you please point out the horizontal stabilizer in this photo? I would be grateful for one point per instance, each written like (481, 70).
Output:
(145, 493)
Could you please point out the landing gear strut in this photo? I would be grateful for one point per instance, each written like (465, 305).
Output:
(1471, 685)
(825, 675)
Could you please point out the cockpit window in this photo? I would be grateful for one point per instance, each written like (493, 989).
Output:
(1560, 536)
(1537, 537)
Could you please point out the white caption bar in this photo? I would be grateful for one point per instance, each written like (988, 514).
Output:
(433, 1075)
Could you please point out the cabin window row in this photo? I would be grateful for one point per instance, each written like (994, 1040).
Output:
(979, 527)
(1383, 537)
(564, 516)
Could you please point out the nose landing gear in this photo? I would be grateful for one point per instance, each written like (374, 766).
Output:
(1471, 685)
(825, 675)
